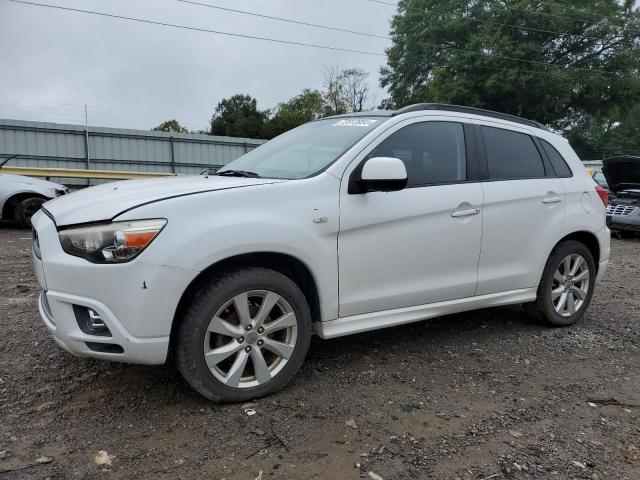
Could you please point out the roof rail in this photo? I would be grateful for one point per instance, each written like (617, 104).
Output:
(475, 111)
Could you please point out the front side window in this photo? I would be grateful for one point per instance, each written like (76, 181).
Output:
(433, 152)
(305, 150)
(511, 155)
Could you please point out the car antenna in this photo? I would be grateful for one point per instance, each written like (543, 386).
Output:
(10, 158)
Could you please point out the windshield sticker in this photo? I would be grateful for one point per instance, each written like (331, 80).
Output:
(355, 122)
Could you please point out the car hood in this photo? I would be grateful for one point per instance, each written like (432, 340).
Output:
(622, 173)
(106, 201)
(31, 181)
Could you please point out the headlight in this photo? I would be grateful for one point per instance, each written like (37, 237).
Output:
(112, 242)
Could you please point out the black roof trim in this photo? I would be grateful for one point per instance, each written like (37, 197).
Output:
(475, 111)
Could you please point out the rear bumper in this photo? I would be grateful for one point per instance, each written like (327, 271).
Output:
(136, 301)
(604, 240)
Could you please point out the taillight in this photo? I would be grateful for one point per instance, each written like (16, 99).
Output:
(603, 194)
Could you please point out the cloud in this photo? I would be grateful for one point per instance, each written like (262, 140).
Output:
(135, 75)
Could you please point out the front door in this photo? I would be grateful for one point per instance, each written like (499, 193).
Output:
(418, 245)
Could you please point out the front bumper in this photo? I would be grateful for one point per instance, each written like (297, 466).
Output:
(136, 301)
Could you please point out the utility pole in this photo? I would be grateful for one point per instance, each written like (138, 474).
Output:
(86, 142)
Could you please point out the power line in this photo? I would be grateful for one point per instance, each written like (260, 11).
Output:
(287, 20)
(493, 22)
(71, 110)
(385, 37)
(197, 29)
(290, 42)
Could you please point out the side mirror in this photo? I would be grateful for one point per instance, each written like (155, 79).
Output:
(381, 174)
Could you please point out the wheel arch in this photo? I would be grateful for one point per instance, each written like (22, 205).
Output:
(588, 239)
(10, 203)
(285, 264)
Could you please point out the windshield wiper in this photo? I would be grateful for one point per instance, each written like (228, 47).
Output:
(237, 173)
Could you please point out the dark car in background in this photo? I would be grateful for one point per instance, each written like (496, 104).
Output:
(623, 178)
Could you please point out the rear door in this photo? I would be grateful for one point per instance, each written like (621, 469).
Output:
(523, 209)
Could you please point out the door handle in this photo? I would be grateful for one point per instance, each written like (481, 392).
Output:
(465, 213)
(552, 200)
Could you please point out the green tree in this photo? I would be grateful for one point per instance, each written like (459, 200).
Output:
(303, 108)
(170, 126)
(580, 58)
(238, 116)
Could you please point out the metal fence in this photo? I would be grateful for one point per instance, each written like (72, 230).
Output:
(53, 145)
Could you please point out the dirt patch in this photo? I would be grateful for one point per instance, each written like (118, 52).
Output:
(487, 394)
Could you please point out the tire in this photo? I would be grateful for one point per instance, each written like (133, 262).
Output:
(25, 209)
(198, 333)
(545, 308)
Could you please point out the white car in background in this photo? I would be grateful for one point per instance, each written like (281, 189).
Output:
(340, 226)
(21, 197)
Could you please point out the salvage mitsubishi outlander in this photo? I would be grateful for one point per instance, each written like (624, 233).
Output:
(342, 225)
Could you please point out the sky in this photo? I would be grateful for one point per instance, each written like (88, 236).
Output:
(134, 75)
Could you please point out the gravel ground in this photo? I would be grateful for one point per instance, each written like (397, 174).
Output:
(487, 394)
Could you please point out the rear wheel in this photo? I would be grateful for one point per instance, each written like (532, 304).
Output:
(566, 286)
(25, 209)
(245, 335)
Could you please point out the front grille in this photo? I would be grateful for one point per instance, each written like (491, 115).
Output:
(620, 209)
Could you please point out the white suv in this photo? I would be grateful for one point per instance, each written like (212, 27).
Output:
(342, 225)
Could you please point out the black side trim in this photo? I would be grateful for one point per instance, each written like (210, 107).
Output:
(548, 166)
(473, 153)
(483, 165)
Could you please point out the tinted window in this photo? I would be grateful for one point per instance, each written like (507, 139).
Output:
(511, 155)
(557, 162)
(433, 152)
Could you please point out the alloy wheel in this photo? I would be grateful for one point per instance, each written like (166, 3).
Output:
(250, 339)
(570, 285)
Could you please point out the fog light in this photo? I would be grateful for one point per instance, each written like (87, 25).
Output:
(90, 321)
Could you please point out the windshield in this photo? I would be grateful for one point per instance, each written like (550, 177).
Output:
(306, 150)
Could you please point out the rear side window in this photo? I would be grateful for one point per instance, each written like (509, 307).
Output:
(558, 163)
(511, 155)
(433, 152)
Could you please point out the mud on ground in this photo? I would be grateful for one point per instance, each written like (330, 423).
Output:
(487, 394)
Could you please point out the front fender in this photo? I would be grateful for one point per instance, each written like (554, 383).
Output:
(283, 218)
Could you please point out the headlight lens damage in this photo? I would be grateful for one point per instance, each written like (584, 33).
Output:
(115, 242)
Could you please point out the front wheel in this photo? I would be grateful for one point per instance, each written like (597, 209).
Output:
(244, 335)
(566, 286)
